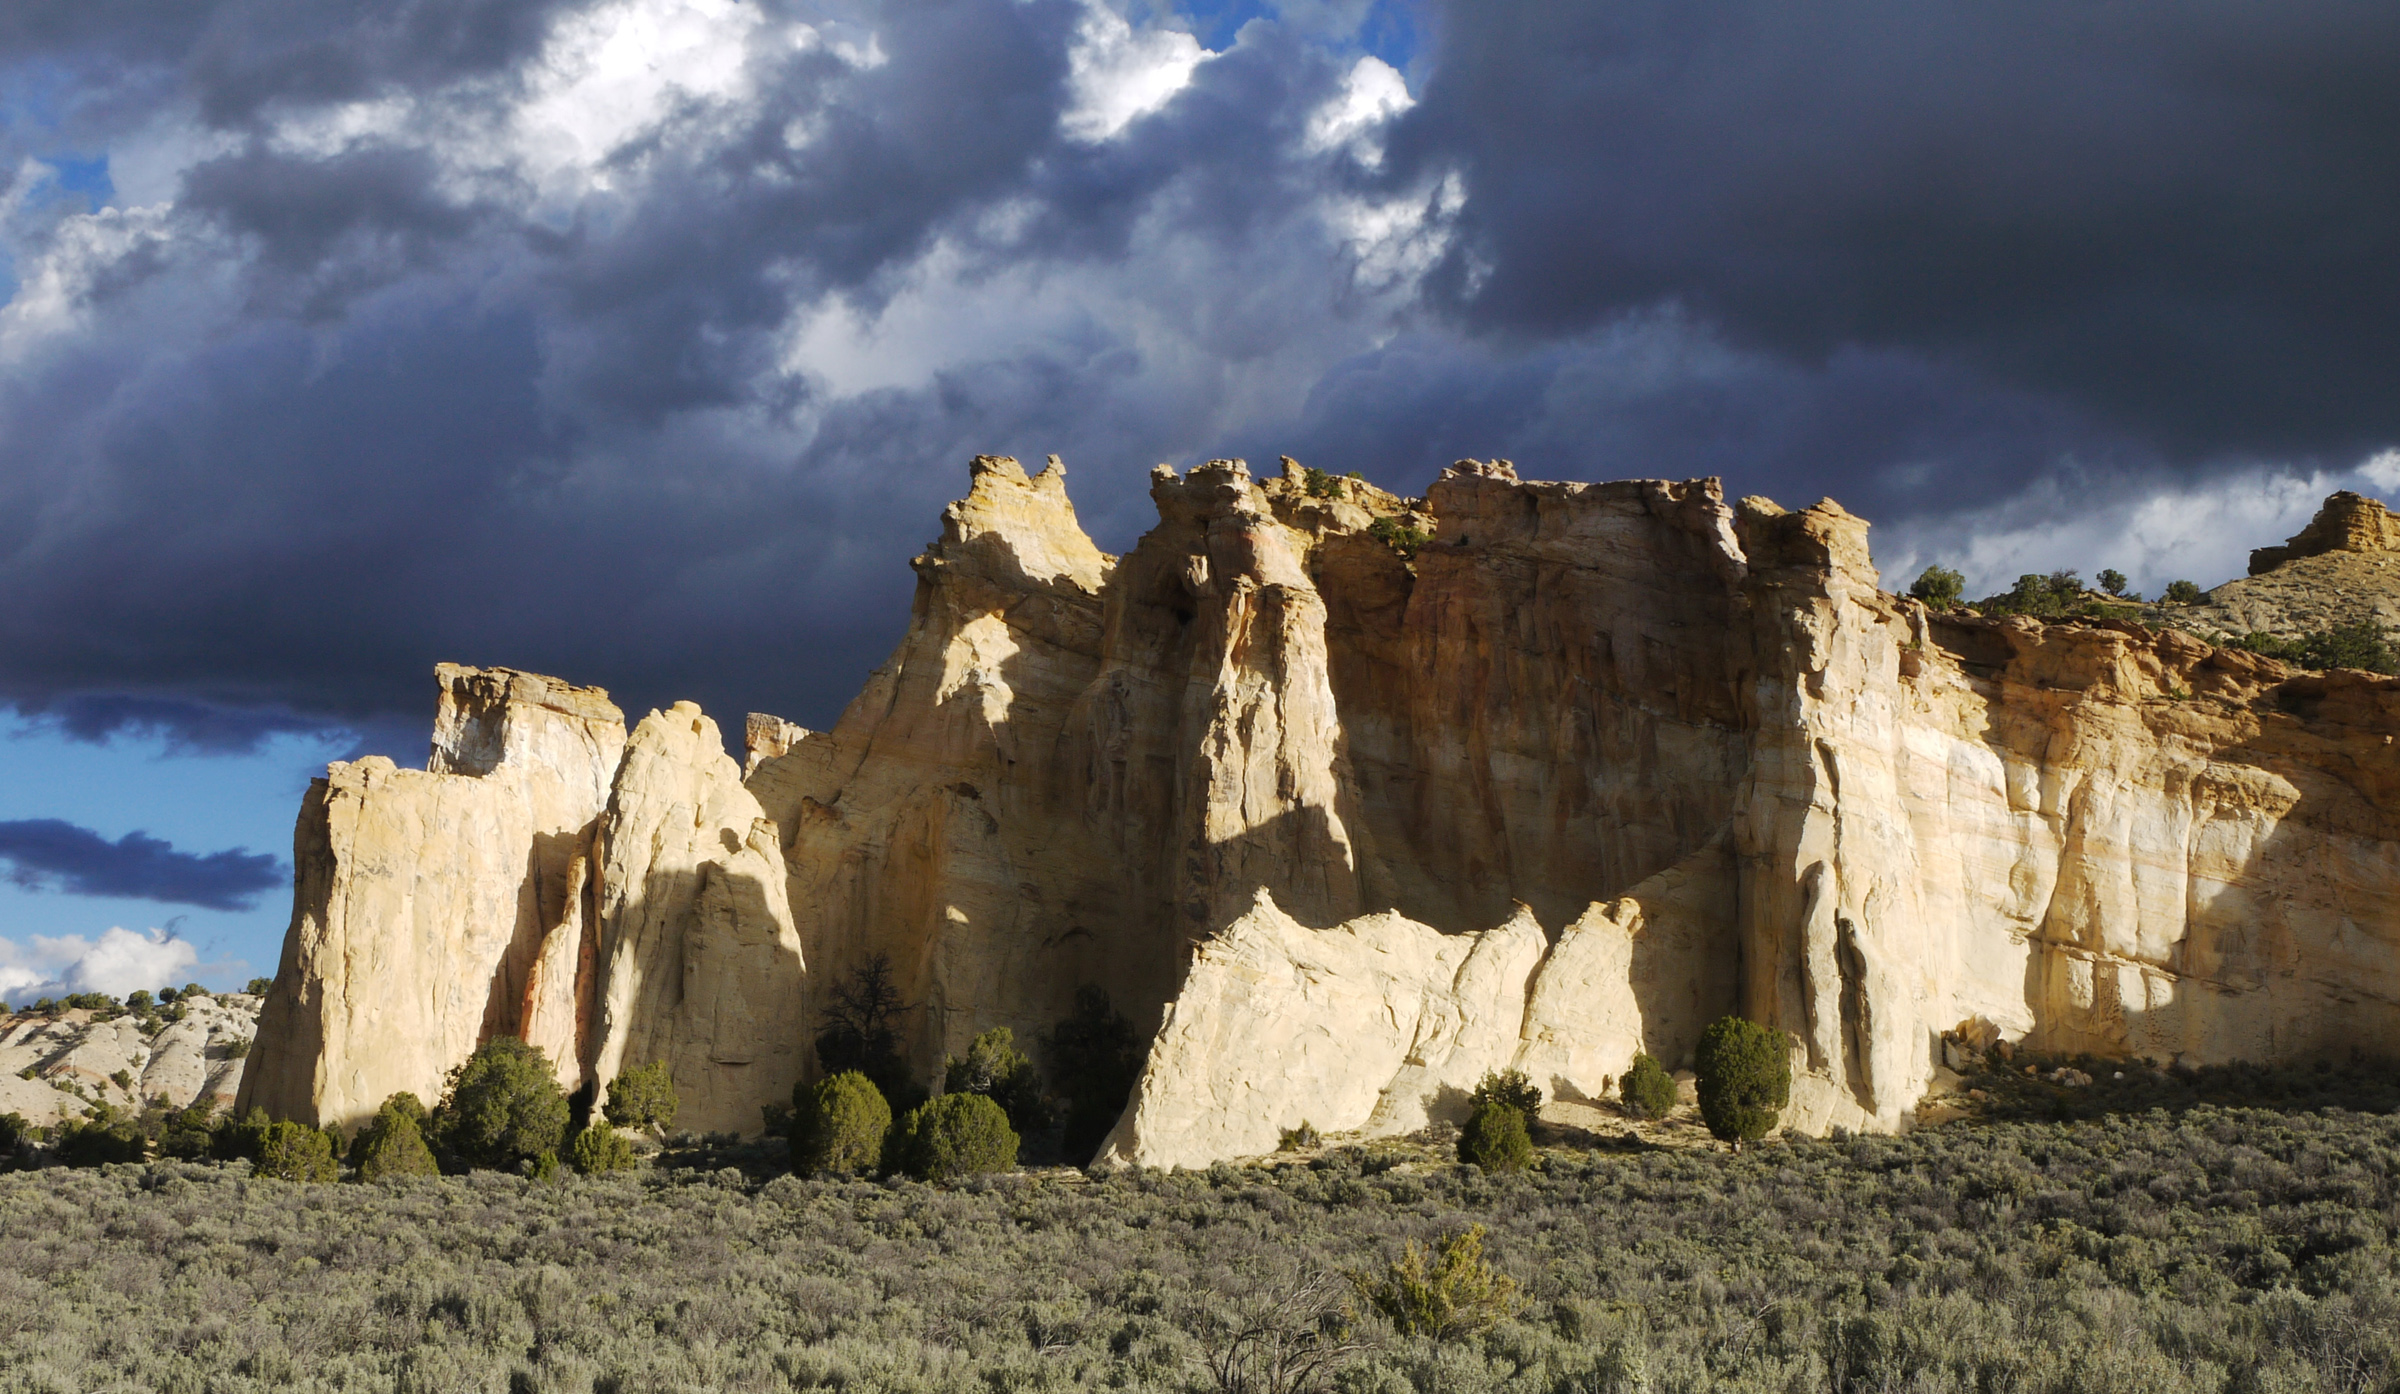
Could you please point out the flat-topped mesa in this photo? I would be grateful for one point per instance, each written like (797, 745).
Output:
(2347, 522)
(1361, 795)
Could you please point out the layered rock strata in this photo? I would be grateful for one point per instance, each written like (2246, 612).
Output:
(1357, 796)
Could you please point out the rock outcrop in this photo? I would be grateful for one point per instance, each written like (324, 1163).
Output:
(2342, 568)
(1354, 797)
(699, 963)
(2348, 522)
(1372, 1025)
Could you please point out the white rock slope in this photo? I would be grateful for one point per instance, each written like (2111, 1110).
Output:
(184, 1061)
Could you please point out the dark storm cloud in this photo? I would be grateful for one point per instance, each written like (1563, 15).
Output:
(237, 56)
(445, 430)
(2176, 217)
(190, 726)
(47, 854)
(360, 398)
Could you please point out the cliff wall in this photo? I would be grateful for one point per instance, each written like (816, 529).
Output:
(1355, 796)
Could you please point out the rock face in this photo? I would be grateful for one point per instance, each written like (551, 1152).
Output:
(1355, 797)
(1366, 1026)
(76, 1061)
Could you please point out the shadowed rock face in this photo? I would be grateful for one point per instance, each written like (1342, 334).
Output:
(1357, 818)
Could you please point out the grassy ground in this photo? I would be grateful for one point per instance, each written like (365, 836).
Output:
(2188, 1245)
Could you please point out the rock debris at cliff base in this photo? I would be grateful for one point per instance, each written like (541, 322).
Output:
(1348, 797)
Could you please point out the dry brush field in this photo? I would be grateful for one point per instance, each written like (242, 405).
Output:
(2196, 1248)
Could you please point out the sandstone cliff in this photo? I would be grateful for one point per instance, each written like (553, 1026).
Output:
(1357, 796)
(422, 898)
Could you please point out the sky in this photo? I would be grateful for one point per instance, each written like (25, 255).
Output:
(642, 341)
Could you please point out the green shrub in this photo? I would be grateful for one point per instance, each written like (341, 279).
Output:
(15, 1134)
(393, 1142)
(1938, 587)
(502, 1107)
(994, 1068)
(542, 1166)
(839, 1125)
(1095, 1059)
(1494, 1137)
(2181, 593)
(600, 1148)
(954, 1135)
(1745, 1075)
(643, 1097)
(189, 1134)
(137, 1001)
(2112, 581)
(1511, 1087)
(1396, 533)
(98, 1141)
(257, 987)
(1647, 1088)
(1300, 1139)
(1447, 1293)
(2058, 595)
(296, 1152)
(237, 1048)
(240, 1140)
(2363, 644)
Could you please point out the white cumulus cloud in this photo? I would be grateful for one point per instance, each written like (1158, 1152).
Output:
(1117, 73)
(1372, 94)
(116, 963)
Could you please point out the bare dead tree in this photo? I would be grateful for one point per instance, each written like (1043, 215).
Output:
(1285, 1336)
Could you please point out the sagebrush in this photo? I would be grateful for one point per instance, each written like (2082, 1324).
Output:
(2200, 1249)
